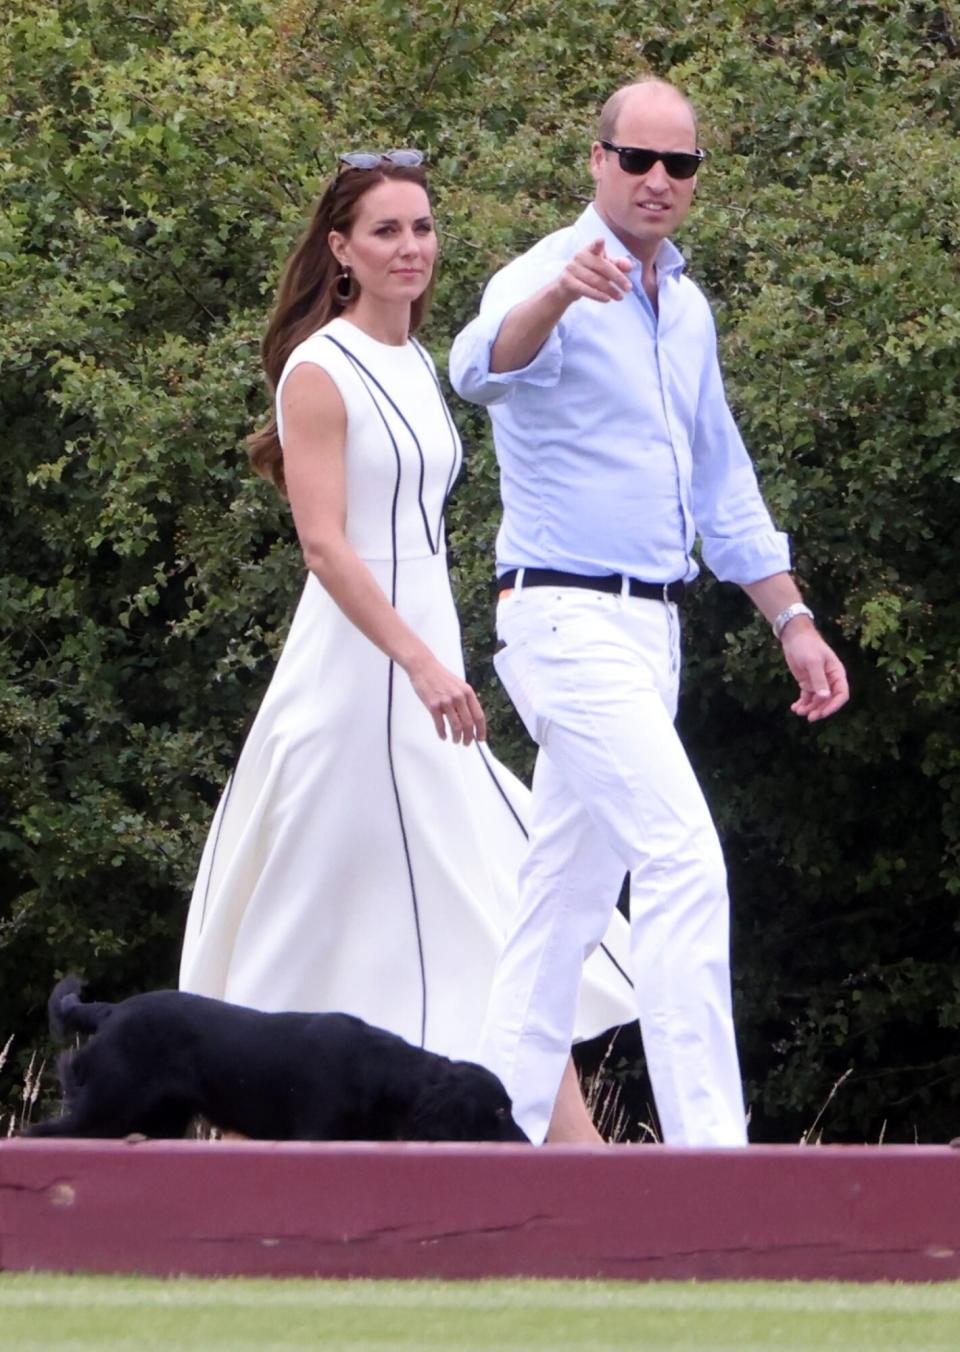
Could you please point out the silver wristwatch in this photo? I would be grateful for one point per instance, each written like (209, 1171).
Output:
(790, 613)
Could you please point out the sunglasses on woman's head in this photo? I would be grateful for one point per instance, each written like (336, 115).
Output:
(678, 163)
(370, 159)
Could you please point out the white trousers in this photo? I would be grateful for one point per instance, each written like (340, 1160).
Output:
(595, 679)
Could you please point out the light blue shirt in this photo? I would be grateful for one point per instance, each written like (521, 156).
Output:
(615, 445)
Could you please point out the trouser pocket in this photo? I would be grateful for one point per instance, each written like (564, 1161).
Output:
(515, 670)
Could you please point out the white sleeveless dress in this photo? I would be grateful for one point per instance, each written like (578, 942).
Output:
(357, 862)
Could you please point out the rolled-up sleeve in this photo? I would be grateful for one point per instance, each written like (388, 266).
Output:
(740, 541)
(470, 373)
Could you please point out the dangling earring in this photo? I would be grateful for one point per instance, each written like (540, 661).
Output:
(345, 286)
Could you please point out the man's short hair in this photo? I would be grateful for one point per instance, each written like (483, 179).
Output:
(611, 109)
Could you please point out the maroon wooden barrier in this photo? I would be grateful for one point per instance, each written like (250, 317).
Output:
(355, 1210)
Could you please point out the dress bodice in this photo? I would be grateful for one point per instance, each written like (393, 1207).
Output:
(402, 450)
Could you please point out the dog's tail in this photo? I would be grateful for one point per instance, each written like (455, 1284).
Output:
(68, 1013)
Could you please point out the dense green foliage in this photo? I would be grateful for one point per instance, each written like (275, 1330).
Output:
(159, 158)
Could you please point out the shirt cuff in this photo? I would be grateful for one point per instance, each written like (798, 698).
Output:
(747, 559)
(470, 365)
(543, 370)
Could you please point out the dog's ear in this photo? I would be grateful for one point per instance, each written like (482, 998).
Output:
(453, 1104)
(467, 1103)
(438, 1113)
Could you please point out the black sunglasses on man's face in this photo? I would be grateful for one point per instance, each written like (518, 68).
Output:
(678, 163)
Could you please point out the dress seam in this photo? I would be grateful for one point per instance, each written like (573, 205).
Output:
(360, 367)
(363, 373)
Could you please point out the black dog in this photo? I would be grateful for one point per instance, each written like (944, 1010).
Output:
(159, 1059)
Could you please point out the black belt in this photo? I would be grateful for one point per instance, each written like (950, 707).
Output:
(607, 582)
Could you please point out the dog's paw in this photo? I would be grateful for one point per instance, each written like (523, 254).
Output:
(135, 1138)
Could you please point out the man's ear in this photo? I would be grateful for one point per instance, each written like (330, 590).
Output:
(597, 154)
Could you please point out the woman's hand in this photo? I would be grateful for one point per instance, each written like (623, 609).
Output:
(449, 699)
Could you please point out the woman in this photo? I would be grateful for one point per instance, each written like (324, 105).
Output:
(365, 853)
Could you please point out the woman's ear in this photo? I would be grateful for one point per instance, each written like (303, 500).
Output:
(338, 244)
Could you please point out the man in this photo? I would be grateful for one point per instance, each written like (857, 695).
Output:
(616, 448)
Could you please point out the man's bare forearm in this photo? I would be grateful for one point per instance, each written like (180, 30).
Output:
(773, 594)
(589, 274)
(527, 327)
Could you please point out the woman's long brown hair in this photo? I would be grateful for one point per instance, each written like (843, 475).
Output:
(308, 298)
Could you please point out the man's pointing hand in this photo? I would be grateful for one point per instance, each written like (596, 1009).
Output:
(592, 274)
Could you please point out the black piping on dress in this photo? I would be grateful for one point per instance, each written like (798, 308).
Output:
(366, 377)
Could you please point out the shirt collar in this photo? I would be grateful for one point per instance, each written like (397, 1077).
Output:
(591, 226)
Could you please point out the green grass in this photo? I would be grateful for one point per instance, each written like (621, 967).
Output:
(120, 1314)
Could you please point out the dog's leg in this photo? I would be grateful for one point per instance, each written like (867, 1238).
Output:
(167, 1121)
(107, 1098)
(115, 1120)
